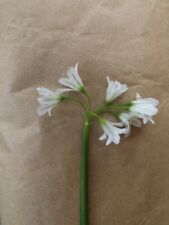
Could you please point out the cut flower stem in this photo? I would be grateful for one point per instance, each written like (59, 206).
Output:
(84, 172)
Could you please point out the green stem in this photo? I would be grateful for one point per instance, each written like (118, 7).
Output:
(112, 108)
(88, 99)
(84, 173)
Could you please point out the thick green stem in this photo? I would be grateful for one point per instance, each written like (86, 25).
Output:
(84, 174)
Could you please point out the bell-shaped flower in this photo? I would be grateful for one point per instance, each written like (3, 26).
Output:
(114, 90)
(48, 99)
(73, 80)
(112, 131)
(140, 110)
(129, 119)
(134, 119)
(145, 107)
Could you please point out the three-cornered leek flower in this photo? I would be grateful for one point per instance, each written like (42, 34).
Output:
(48, 99)
(135, 113)
(114, 90)
(144, 106)
(73, 81)
(130, 119)
(112, 131)
(140, 110)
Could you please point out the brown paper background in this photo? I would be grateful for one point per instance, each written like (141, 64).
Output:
(39, 157)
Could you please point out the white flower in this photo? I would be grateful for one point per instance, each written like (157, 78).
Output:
(48, 99)
(130, 118)
(111, 131)
(146, 107)
(134, 118)
(114, 90)
(73, 82)
(140, 109)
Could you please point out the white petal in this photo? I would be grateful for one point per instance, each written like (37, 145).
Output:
(151, 120)
(74, 72)
(146, 109)
(76, 67)
(49, 112)
(121, 130)
(116, 138)
(44, 91)
(72, 78)
(62, 90)
(110, 90)
(147, 119)
(42, 110)
(103, 137)
(66, 82)
(119, 124)
(124, 117)
(108, 80)
(114, 89)
(128, 130)
(47, 102)
(109, 141)
(153, 101)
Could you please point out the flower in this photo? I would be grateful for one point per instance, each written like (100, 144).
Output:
(111, 131)
(130, 119)
(145, 108)
(134, 118)
(73, 82)
(48, 99)
(139, 109)
(114, 90)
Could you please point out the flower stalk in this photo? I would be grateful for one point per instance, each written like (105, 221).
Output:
(84, 172)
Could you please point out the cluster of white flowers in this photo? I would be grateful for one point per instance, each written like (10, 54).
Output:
(134, 113)
(50, 99)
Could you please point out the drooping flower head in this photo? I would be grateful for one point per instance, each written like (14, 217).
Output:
(73, 81)
(112, 131)
(114, 90)
(135, 113)
(48, 99)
